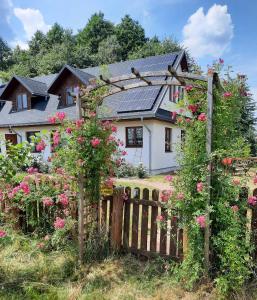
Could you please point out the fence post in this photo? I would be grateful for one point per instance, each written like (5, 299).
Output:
(117, 218)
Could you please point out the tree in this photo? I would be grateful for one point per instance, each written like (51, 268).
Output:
(37, 42)
(96, 30)
(5, 55)
(130, 35)
(109, 51)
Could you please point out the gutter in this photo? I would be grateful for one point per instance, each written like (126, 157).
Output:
(150, 145)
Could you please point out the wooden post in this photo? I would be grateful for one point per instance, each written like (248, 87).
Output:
(208, 152)
(117, 218)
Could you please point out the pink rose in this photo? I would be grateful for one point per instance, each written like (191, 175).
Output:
(59, 223)
(201, 220)
(63, 199)
(56, 138)
(68, 130)
(60, 115)
(202, 117)
(52, 120)
(25, 187)
(227, 95)
(114, 128)
(124, 153)
(189, 88)
(169, 178)
(41, 146)
(236, 181)
(95, 142)
(2, 234)
(159, 218)
(80, 139)
(180, 196)
(199, 187)
(165, 195)
(79, 123)
(252, 200)
(235, 208)
(32, 170)
(48, 201)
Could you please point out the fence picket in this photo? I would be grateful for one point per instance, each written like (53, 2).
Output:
(153, 239)
(126, 217)
(163, 234)
(144, 221)
(135, 220)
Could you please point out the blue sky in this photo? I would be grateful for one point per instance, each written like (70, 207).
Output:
(210, 29)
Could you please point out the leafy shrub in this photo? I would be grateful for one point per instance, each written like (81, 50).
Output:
(126, 170)
(141, 171)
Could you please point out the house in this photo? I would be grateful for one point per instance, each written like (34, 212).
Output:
(144, 116)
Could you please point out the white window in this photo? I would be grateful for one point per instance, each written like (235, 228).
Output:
(69, 97)
(22, 101)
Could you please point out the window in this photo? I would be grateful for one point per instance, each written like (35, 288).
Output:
(134, 137)
(176, 93)
(29, 136)
(22, 101)
(69, 98)
(168, 139)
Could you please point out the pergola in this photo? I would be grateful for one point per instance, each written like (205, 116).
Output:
(158, 78)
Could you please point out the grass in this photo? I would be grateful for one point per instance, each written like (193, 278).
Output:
(29, 273)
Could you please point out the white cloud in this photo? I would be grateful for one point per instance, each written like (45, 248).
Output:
(32, 20)
(209, 34)
(23, 45)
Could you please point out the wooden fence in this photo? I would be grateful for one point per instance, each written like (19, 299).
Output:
(129, 216)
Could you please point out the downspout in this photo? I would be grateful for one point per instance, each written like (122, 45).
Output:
(150, 145)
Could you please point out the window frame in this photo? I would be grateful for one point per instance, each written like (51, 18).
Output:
(68, 90)
(135, 144)
(176, 88)
(22, 99)
(28, 135)
(168, 140)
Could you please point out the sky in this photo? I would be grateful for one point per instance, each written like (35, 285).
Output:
(209, 29)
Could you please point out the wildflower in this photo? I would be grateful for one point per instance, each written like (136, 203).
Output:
(2, 234)
(189, 88)
(79, 123)
(193, 108)
(235, 208)
(159, 218)
(252, 200)
(124, 153)
(199, 187)
(41, 146)
(201, 220)
(95, 142)
(68, 130)
(63, 199)
(114, 128)
(59, 223)
(48, 201)
(61, 115)
(169, 178)
(32, 170)
(236, 181)
(227, 95)
(202, 117)
(180, 196)
(52, 120)
(80, 139)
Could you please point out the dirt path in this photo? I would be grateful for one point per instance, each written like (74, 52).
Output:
(153, 185)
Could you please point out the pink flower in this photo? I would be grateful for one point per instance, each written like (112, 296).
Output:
(202, 117)
(227, 95)
(201, 220)
(68, 130)
(80, 139)
(114, 128)
(199, 187)
(52, 120)
(159, 218)
(109, 183)
(40, 245)
(48, 201)
(236, 181)
(180, 196)
(60, 115)
(59, 223)
(25, 187)
(165, 195)
(66, 187)
(95, 142)
(63, 199)
(169, 178)
(181, 110)
(79, 123)
(47, 238)
(188, 120)
(173, 115)
(252, 200)
(92, 114)
(32, 170)
(176, 95)
(41, 146)
(2, 234)
(124, 153)
(56, 138)
(234, 208)
(189, 88)
(193, 108)
(221, 61)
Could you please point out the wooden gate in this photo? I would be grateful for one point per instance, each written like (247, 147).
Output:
(130, 216)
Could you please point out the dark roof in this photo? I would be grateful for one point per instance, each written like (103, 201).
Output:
(134, 103)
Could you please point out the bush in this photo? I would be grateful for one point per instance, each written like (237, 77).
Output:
(126, 170)
(141, 171)
(38, 163)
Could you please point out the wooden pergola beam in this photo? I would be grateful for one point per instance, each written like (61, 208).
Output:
(137, 74)
(108, 81)
(173, 72)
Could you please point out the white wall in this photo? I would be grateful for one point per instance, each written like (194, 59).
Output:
(161, 161)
